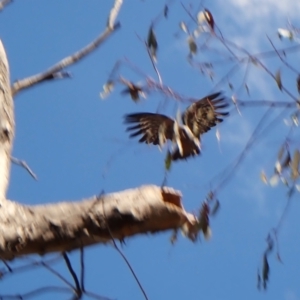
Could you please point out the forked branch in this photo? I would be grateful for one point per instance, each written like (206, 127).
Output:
(54, 71)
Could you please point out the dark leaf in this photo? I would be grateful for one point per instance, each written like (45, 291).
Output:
(230, 85)
(278, 257)
(278, 79)
(168, 161)
(286, 161)
(258, 280)
(207, 232)
(204, 218)
(134, 91)
(291, 192)
(265, 271)
(298, 84)
(166, 11)
(192, 45)
(152, 43)
(215, 208)
(210, 196)
(270, 242)
(209, 19)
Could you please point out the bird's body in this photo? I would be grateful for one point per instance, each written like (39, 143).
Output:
(197, 119)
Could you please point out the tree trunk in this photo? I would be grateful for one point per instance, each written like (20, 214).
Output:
(7, 124)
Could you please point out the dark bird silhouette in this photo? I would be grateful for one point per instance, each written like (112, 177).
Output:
(197, 119)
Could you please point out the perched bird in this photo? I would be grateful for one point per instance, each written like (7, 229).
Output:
(197, 119)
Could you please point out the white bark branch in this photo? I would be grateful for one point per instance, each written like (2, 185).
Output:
(66, 226)
(7, 124)
(3, 3)
(114, 13)
(69, 60)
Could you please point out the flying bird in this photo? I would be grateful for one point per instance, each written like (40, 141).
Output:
(197, 119)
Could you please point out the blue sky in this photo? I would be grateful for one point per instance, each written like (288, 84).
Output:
(77, 145)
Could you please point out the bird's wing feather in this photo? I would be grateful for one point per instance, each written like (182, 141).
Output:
(150, 125)
(205, 113)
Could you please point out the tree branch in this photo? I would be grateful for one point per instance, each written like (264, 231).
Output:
(69, 60)
(66, 226)
(3, 3)
(23, 164)
(7, 122)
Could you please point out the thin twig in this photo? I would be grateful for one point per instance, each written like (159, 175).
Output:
(259, 62)
(242, 155)
(95, 296)
(281, 58)
(275, 104)
(31, 294)
(154, 66)
(7, 266)
(69, 60)
(152, 60)
(29, 266)
(254, 137)
(50, 269)
(75, 278)
(23, 164)
(124, 257)
(82, 269)
(128, 263)
(284, 213)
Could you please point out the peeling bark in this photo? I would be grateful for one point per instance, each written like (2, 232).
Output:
(66, 226)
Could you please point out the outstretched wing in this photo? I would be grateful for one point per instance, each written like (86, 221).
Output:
(154, 128)
(205, 113)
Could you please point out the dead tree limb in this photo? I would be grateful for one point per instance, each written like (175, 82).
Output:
(73, 58)
(66, 226)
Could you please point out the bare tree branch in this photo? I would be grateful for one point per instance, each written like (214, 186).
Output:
(39, 291)
(3, 3)
(69, 60)
(82, 269)
(7, 124)
(126, 261)
(74, 276)
(51, 270)
(23, 164)
(64, 226)
(114, 13)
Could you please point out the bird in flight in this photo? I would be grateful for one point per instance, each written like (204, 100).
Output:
(197, 119)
